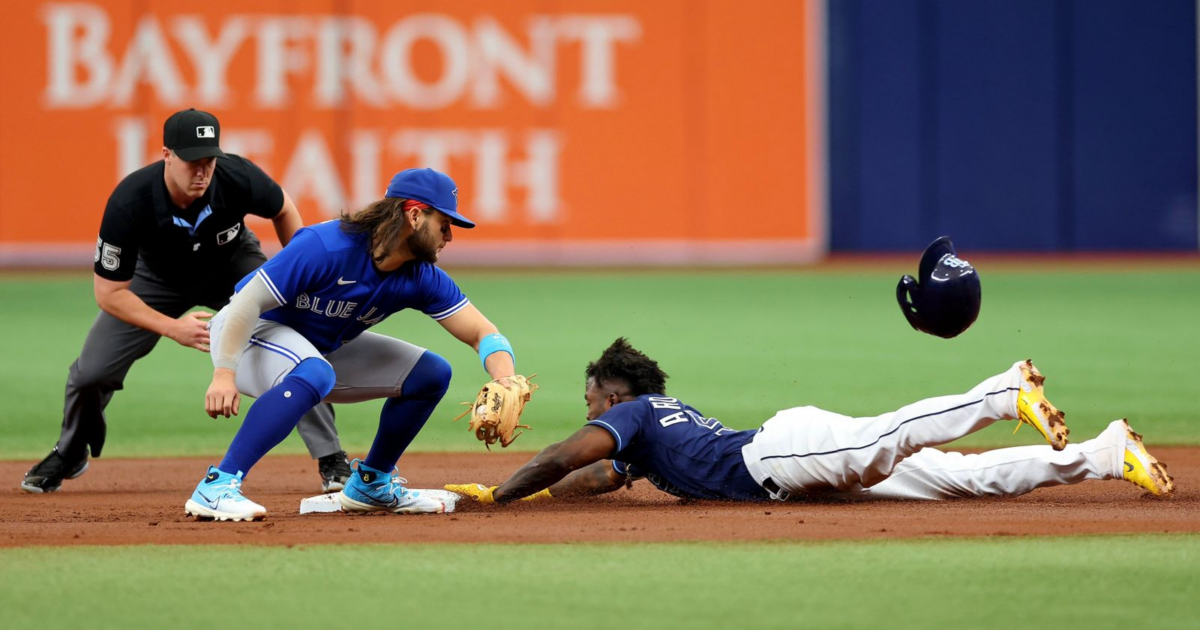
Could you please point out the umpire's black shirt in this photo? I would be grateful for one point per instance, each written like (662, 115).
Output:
(186, 247)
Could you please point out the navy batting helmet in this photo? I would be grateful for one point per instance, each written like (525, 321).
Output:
(945, 301)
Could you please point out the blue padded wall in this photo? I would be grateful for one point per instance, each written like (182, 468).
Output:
(1019, 125)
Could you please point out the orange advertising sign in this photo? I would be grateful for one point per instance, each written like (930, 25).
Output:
(584, 132)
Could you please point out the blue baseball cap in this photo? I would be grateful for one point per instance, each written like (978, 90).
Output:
(429, 186)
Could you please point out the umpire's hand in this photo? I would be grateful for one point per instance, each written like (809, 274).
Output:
(191, 330)
(222, 398)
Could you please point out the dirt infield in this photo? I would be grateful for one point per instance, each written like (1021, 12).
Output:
(123, 502)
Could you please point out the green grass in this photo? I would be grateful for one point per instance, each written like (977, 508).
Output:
(738, 345)
(1084, 582)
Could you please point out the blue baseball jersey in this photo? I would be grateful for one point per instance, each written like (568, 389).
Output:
(679, 450)
(329, 290)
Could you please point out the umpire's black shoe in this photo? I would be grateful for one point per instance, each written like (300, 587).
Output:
(48, 474)
(335, 471)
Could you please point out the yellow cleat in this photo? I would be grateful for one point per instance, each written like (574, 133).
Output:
(1033, 408)
(1142, 469)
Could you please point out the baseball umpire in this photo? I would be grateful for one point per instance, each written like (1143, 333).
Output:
(635, 431)
(173, 237)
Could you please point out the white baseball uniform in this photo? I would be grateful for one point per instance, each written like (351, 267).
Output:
(810, 450)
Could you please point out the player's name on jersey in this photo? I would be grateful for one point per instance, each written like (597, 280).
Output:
(336, 308)
(685, 415)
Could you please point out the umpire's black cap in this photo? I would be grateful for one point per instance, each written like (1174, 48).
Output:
(945, 301)
(193, 135)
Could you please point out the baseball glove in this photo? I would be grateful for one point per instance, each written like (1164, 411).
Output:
(496, 412)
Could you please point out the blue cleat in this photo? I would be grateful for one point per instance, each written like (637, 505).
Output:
(371, 490)
(219, 497)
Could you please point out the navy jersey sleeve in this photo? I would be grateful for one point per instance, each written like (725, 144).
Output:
(117, 245)
(627, 469)
(303, 265)
(265, 196)
(624, 422)
(440, 296)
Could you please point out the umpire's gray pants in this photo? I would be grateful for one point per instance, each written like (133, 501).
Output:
(112, 346)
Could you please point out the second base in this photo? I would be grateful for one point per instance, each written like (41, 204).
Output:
(324, 503)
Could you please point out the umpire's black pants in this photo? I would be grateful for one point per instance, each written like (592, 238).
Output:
(112, 346)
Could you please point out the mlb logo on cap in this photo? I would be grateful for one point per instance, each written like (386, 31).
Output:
(193, 135)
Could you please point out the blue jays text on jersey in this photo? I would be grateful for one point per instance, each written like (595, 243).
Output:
(679, 450)
(329, 290)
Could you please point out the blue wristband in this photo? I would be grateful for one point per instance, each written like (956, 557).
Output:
(492, 344)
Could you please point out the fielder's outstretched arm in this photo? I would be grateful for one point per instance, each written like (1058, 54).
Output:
(472, 328)
(586, 446)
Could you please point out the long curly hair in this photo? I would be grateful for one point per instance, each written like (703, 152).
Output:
(383, 220)
(622, 362)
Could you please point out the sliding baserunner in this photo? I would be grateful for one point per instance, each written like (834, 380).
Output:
(635, 430)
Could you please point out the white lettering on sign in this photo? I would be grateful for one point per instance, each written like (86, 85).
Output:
(499, 162)
(279, 55)
(77, 37)
(483, 63)
(345, 50)
(599, 36)
(210, 56)
(500, 54)
(342, 57)
(451, 40)
(312, 172)
(148, 60)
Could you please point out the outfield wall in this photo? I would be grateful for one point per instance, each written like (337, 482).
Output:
(632, 133)
(1013, 124)
(598, 132)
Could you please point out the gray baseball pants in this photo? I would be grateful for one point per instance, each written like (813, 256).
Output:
(112, 347)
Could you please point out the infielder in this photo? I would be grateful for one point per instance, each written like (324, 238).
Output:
(635, 430)
(295, 334)
(173, 237)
